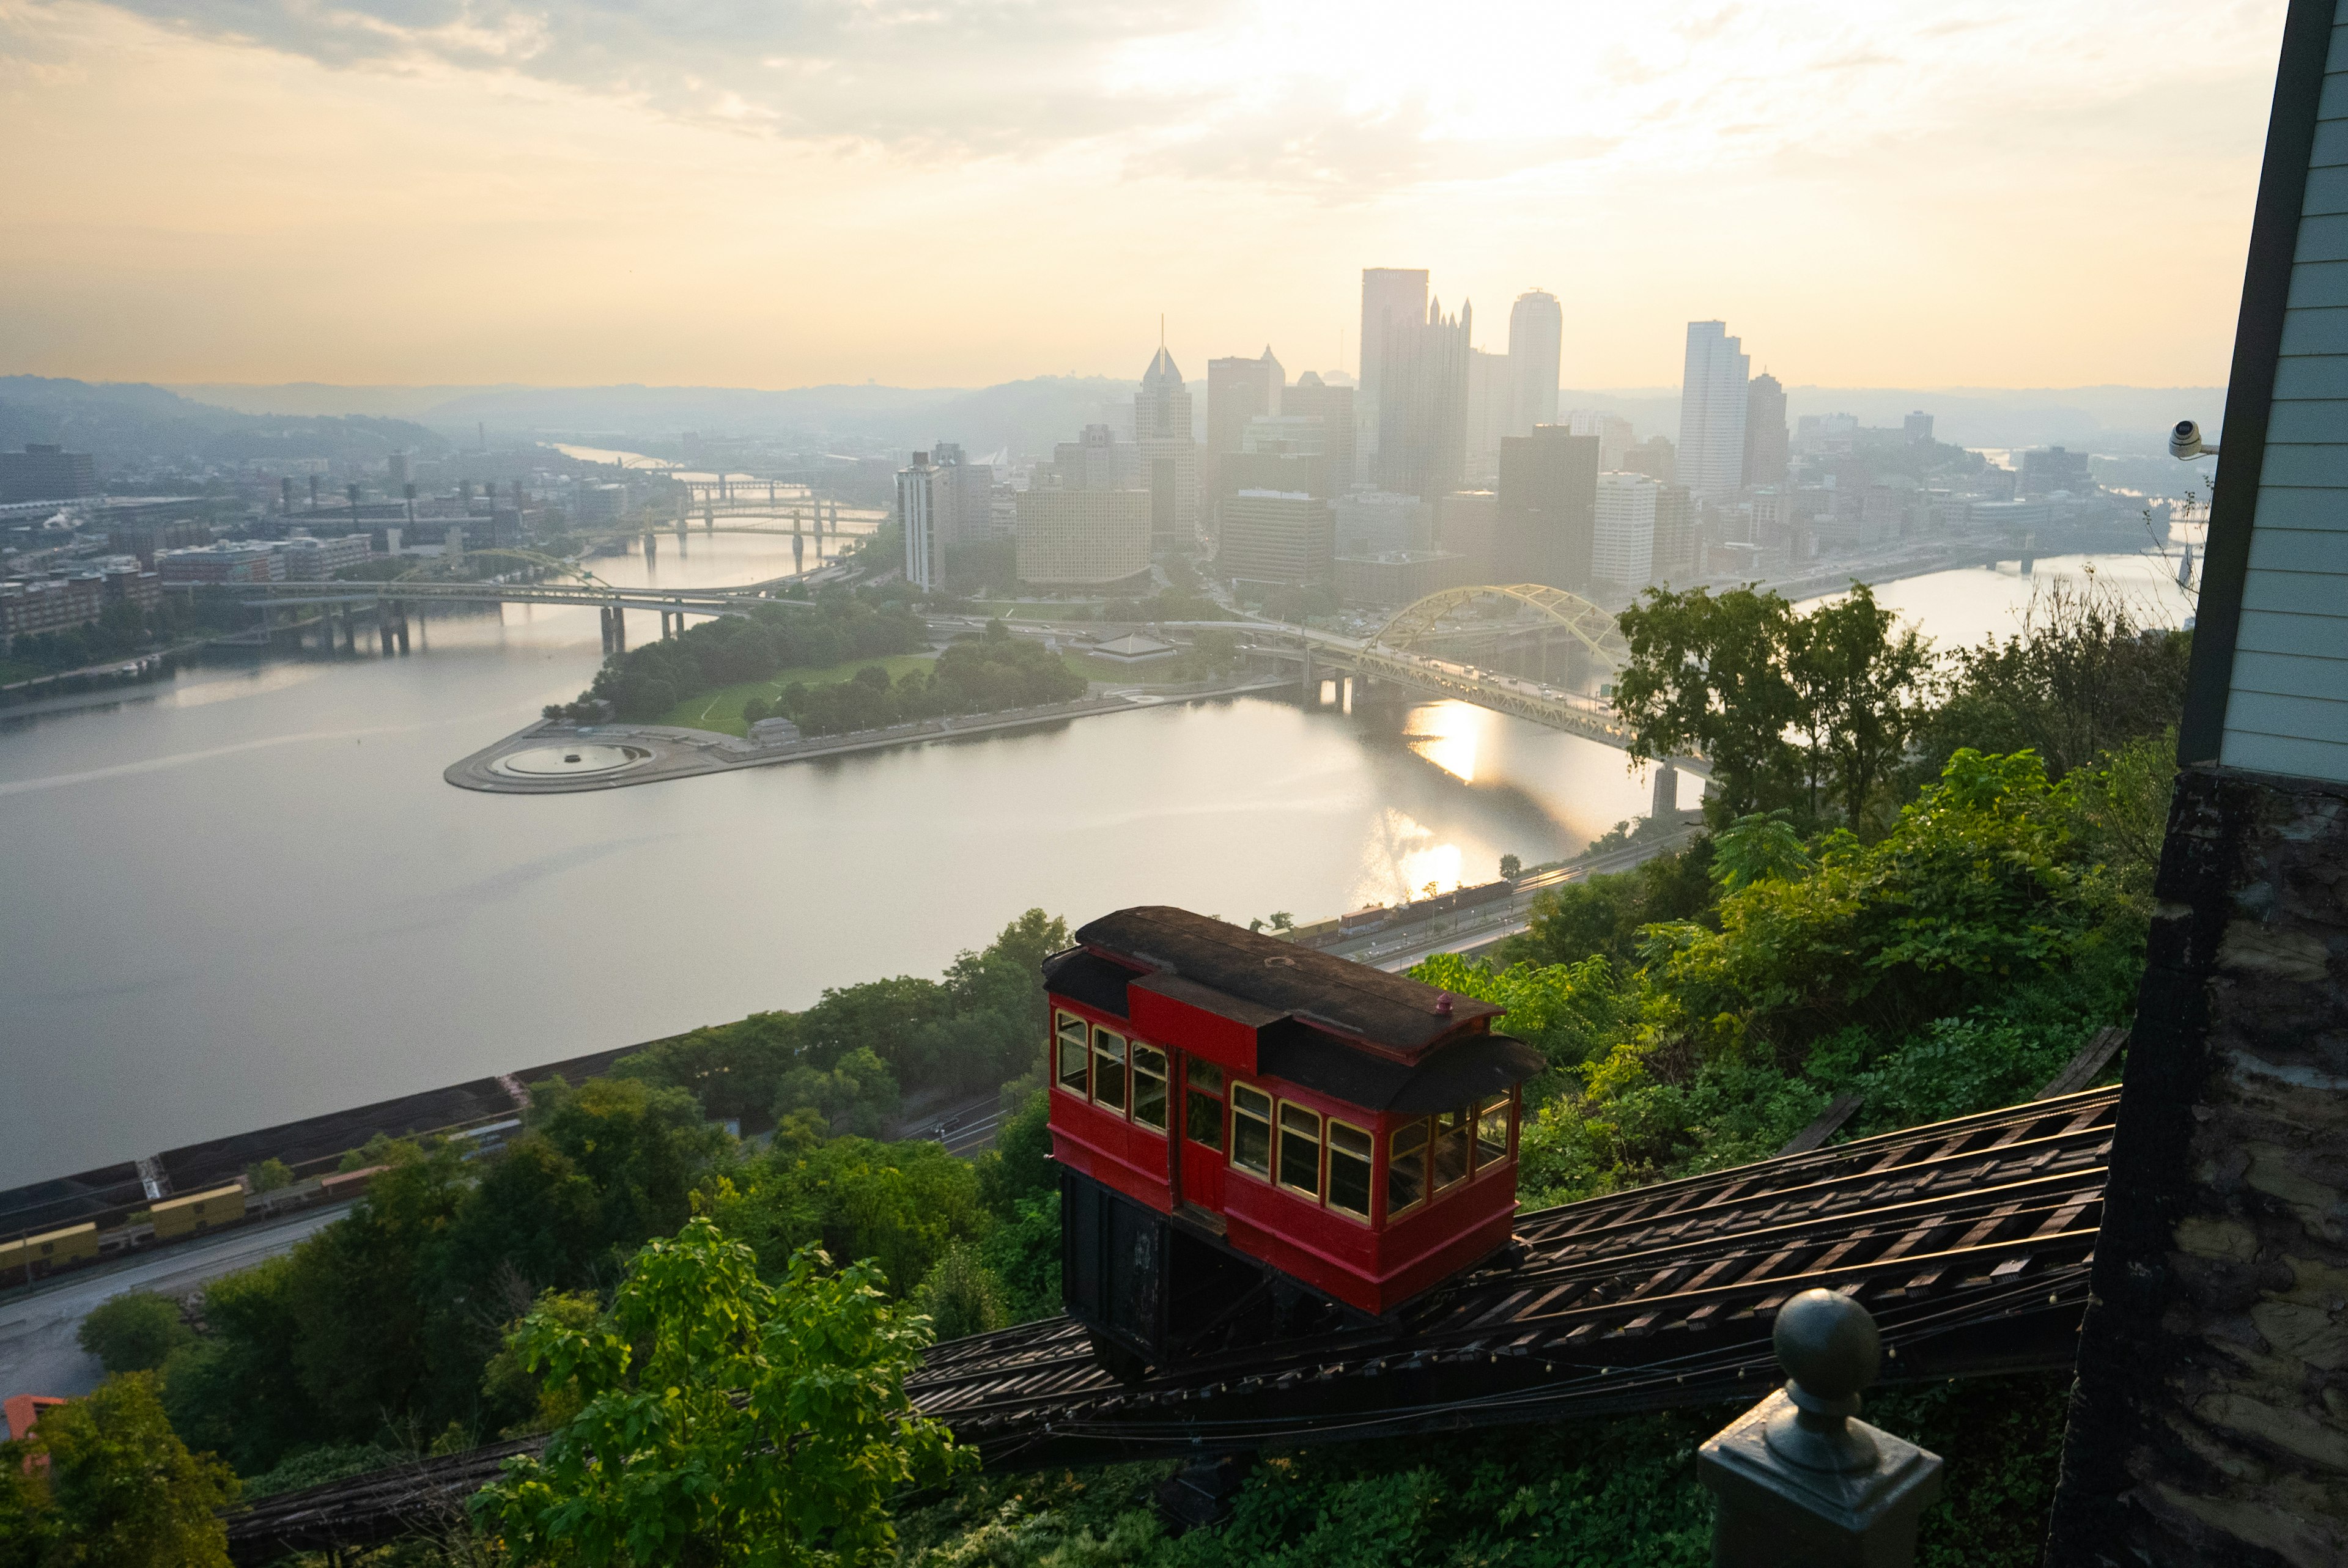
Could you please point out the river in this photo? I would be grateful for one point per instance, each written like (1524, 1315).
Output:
(245, 894)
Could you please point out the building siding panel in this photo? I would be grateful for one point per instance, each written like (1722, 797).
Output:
(2322, 239)
(2299, 550)
(2290, 674)
(2317, 331)
(2327, 192)
(2289, 755)
(2318, 510)
(2337, 59)
(2291, 422)
(2323, 464)
(2295, 593)
(2333, 105)
(2322, 282)
(2297, 379)
(2319, 636)
(2331, 144)
(2302, 718)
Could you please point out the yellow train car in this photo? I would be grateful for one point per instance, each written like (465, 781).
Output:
(193, 1212)
(51, 1249)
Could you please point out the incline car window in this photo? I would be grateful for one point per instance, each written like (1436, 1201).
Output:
(1250, 1129)
(1075, 1059)
(1491, 1131)
(1299, 1150)
(1350, 1152)
(1109, 1069)
(1150, 1089)
(1405, 1168)
(1202, 1104)
(1451, 1129)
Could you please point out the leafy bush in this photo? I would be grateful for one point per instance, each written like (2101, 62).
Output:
(134, 1332)
(962, 1295)
(121, 1489)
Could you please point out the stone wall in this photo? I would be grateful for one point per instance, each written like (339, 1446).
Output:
(2210, 1424)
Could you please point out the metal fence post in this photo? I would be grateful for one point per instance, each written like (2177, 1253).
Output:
(1799, 1483)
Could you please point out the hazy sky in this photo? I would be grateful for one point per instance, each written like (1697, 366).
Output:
(923, 192)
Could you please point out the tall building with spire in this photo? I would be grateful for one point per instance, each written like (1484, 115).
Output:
(1163, 433)
(1423, 368)
(1536, 350)
(1713, 390)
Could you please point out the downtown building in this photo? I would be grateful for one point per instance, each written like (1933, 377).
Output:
(1535, 356)
(1279, 539)
(1422, 402)
(1713, 405)
(1167, 455)
(1544, 514)
(1075, 537)
(923, 491)
(1391, 296)
(1622, 540)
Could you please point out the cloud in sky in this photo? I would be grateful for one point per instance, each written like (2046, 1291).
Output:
(957, 190)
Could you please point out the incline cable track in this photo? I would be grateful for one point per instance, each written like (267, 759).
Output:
(1971, 1240)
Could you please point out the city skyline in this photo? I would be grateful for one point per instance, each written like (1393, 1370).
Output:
(498, 207)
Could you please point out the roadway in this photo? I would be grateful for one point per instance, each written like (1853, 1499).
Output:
(39, 1352)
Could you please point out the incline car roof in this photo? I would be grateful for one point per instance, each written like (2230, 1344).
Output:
(1315, 988)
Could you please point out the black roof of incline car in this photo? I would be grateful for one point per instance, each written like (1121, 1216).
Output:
(1323, 990)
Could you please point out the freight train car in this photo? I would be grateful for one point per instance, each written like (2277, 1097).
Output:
(1256, 1139)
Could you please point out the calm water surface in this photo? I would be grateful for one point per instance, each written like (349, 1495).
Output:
(245, 894)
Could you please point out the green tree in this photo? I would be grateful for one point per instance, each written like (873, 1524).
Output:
(269, 1175)
(961, 1297)
(725, 1421)
(1857, 675)
(1511, 868)
(121, 1489)
(1707, 675)
(134, 1332)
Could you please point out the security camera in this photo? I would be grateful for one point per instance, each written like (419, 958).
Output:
(2185, 442)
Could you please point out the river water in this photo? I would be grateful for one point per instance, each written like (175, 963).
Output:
(245, 894)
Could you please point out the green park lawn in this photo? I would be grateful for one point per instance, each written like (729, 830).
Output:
(13, 671)
(721, 709)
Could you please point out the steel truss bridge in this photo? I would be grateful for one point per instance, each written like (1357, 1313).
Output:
(1427, 647)
(1971, 1241)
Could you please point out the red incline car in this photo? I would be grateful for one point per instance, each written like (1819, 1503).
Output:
(1256, 1138)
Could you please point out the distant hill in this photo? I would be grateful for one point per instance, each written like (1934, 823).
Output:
(126, 424)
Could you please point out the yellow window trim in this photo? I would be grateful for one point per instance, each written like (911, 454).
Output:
(1319, 1145)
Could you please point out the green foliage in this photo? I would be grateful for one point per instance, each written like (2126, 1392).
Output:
(1511, 868)
(900, 1204)
(508, 1385)
(647, 680)
(1569, 1012)
(982, 677)
(1729, 676)
(1019, 1168)
(1757, 848)
(269, 1175)
(2085, 675)
(662, 1465)
(1023, 1253)
(854, 1097)
(316, 1467)
(961, 1297)
(1609, 913)
(134, 1332)
(121, 1489)
(978, 1026)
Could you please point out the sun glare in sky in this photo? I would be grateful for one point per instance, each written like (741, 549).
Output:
(949, 193)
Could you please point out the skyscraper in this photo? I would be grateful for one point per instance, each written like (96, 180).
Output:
(1622, 548)
(1169, 454)
(1422, 403)
(1536, 348)
(1389, 294)
(1313, 398)
(1711, 410)
(1545, 511)
(1767, 444)
(919, 508)
(1282, 537)
(1239, 390)
(1491, 411)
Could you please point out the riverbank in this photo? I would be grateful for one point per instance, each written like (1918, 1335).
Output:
(552, 757)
